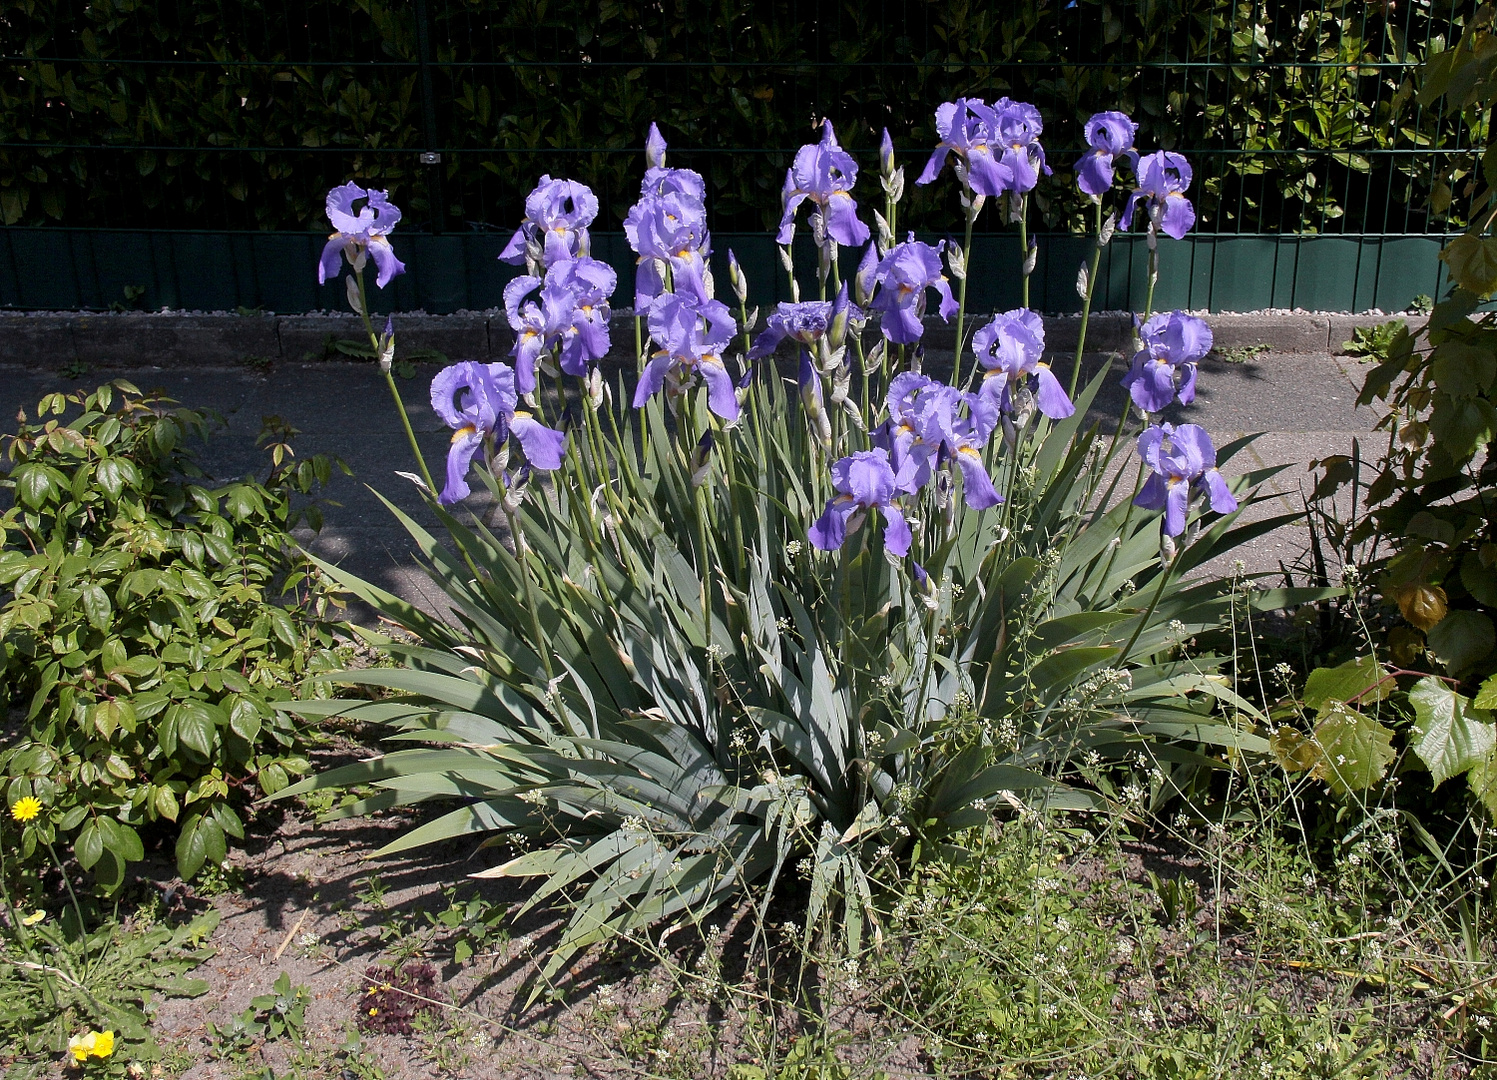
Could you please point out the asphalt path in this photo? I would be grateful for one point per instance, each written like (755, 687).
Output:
(1301, 407)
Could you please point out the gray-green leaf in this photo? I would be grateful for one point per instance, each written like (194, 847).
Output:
(1450, 735)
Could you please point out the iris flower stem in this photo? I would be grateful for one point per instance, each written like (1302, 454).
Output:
(1166, 571)
(1112, 553)
(405, 420)
(930, 662)
(961, 299)
(1023, 249)
(703, 505)
(1086, 305)
(517, 537)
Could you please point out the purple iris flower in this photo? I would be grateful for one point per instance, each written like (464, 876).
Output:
(1011, 349)
(668, 225)
(902, 436)
(903, 276)
(966, 129)
(1184, 464)
(886, 155)
(358, 234)
(557, 214)
(538, 324)
(1110, 136)
(864, 482)
(690, 333)
(806, 322)
(480, 403)
(931, 424)
(1173, 343)
(1162, 180)
(958, 426)
(824, 173)
(1016, 128)
(590, 284)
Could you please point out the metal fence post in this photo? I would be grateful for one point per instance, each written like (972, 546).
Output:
(431, 158)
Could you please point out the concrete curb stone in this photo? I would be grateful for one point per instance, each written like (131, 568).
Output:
(173, 339)
(37, 340)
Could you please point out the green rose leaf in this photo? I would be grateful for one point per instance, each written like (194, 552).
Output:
(1355, 749)
(202, 839)
(1450, 735)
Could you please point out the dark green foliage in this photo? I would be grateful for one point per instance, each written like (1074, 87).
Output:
(148, 619)
(241, 115)
(1432, 498)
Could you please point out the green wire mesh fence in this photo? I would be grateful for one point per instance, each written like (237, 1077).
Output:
(234, 115)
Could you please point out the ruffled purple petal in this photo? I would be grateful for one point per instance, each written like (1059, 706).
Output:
(977, 485)
(465, 443)
(384, 260)
(1179, 216)
(331, 261)
(830, 530)
(515, 291)
(1094, 172)
(1151, 384)
(1187, 390)
(652, 379)
(1176, 503)
(787, 219)
(989, 176)
(897, 536)
(721, 398)
(842, 224)
(949, 306)
(543, 446)
(444, 388)
(339, 207)
(901, 325)
(1222, 499)
(1152, 495)
(514, 251)
(933, 166)
(1049, 395)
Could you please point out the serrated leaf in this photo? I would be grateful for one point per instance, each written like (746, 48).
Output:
(1486, 697)
(1462, 638)
(1450, 736)
(1363, 678)
(1473, 262)
(1355, 749)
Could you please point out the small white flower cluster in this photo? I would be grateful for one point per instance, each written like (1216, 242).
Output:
(534, 796)
(793, 548)
(715, 653)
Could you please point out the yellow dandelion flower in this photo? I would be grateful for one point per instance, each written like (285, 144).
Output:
(35, 917)
(26, 809)
(373, 1012)
(99, 1044)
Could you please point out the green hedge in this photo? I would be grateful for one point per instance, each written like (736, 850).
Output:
(228, 114)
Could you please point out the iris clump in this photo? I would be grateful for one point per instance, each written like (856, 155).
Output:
(754, 617)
